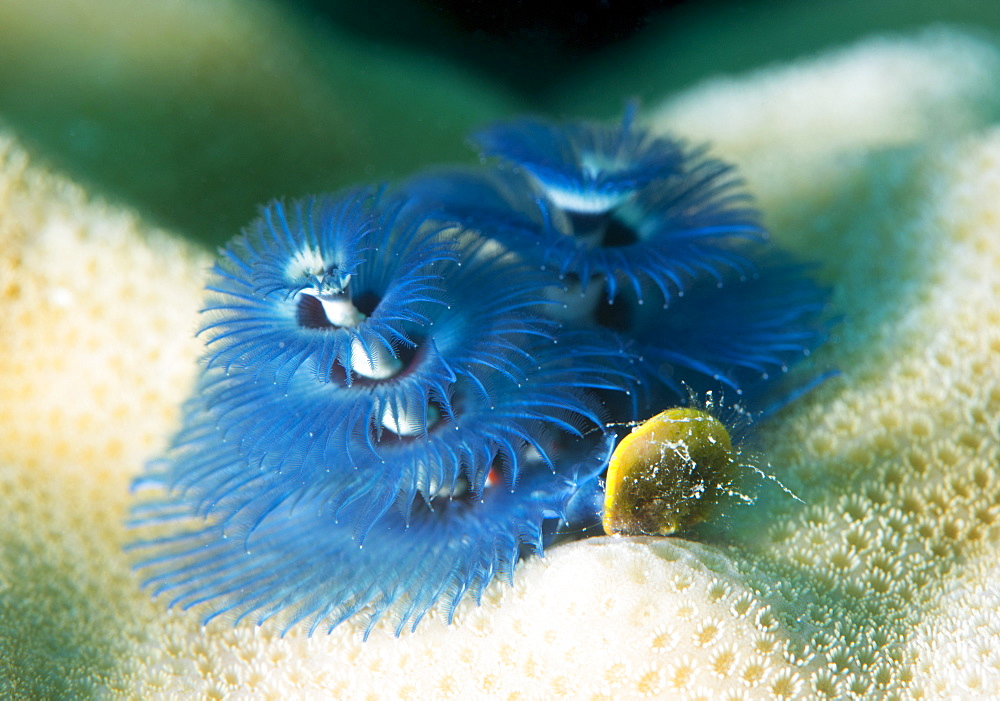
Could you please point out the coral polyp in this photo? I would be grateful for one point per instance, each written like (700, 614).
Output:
(407, 388)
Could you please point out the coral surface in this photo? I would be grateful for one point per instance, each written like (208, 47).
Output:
(880, 586)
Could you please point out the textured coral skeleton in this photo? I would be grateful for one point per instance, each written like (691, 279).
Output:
(882, 587)
(388, 412)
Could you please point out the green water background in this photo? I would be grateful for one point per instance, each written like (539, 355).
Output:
(195, 113)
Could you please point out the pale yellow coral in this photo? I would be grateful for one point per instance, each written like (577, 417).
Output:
(818, 117)
(880, 587)
(898, 459)
(96, 315)
(547, 636)
(92, 358)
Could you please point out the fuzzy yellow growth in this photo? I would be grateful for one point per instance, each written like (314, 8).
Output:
(668, 474)
(882, 587)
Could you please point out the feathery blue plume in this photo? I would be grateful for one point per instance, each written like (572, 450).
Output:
(405, 389)
(642, 210)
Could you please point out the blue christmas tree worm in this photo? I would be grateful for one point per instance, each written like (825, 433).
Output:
(404, 388)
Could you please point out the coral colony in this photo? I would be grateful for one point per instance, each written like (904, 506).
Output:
(406, 388)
